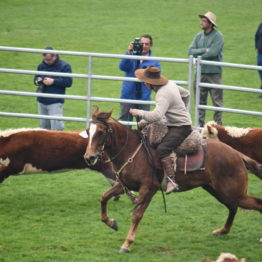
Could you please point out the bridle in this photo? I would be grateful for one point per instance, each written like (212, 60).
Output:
(109, 132)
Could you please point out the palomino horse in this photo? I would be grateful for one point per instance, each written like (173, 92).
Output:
(224, 176)
(246, 140)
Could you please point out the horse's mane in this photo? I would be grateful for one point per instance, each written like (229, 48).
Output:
(9, 132)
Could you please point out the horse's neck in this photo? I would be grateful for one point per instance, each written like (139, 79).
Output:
(124, 142)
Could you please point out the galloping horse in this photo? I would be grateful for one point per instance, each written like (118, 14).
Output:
(224, 176)
(246, 140)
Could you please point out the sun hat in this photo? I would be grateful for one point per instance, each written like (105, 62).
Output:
(210, 16)
(151, 75)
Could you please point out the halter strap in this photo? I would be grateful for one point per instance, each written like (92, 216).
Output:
(109, 130)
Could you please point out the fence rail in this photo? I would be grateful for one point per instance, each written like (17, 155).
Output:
(192, 62)
(89, 76)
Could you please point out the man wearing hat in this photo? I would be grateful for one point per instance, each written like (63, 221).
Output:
(209, 45)
(171, 102)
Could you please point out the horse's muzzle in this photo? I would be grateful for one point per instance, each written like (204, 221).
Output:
(92, 160)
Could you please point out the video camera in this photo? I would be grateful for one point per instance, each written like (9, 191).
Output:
(137, 46)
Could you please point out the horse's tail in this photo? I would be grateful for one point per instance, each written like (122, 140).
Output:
(252, 165)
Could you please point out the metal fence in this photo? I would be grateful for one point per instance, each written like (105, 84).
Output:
(199, 84)
(89, 76)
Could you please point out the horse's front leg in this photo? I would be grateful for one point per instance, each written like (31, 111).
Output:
(117, 189)
(145, 197)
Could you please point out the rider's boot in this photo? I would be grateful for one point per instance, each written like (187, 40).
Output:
(168, 165)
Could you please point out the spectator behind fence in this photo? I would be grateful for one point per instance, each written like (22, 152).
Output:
(209, 44)
(52, 85)
(136, 90)
(258, 45)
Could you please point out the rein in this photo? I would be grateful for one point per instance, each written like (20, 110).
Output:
(130, 159)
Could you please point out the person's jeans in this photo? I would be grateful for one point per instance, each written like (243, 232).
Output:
(51, 110)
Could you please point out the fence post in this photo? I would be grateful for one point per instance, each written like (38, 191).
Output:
(190, 79)
(197, 92)
(89, 89)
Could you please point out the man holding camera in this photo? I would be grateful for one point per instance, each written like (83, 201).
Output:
(52, 85)
(136, 90)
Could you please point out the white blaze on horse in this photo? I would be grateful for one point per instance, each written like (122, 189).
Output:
(245, 140)
(25, 151)
(224, 174)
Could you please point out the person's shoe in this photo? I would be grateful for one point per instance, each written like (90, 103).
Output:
(260, 96)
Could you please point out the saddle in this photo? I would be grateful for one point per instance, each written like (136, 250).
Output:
(190, 155)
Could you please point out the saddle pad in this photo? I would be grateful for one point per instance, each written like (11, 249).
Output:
(188, 163)
(192, 162)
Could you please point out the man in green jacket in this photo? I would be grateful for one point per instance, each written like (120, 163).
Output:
(209, 45)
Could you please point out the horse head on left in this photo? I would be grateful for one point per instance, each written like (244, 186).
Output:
(99, 133)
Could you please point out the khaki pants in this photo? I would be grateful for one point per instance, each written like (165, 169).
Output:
(216, 96)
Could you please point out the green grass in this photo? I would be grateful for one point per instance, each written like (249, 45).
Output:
(55, 217)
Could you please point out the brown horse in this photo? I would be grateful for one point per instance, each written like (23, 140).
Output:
(246, 140)
(224, 176)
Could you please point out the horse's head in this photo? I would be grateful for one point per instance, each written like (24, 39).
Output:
(98, 132)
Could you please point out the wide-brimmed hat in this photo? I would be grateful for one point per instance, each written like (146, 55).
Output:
(151, 75)
(210, 16)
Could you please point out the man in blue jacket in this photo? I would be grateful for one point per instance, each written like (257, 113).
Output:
(136, 90)
(258, 45)
(52, 85)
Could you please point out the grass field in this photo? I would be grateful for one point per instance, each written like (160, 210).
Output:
(55, 217)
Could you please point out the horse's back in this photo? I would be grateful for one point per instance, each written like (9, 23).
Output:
(222, 158)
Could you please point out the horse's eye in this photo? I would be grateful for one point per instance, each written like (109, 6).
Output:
(100, 133)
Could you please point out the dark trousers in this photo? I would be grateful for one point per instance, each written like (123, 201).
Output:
(175, 136)
(125, 115)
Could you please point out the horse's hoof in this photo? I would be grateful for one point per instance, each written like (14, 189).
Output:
(124, 250)
(220, 231)
(114, 225)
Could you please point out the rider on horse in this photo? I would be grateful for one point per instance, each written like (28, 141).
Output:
(171, 102)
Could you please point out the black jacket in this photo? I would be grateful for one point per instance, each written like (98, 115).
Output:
(60, 83)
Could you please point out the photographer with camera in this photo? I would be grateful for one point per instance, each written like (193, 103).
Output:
(52, 85)
(136, 90)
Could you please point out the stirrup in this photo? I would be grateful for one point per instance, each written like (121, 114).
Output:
(171, 186)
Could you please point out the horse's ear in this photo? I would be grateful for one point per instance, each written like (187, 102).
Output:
(95, 111)
(105, 115)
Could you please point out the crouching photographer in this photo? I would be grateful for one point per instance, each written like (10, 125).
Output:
(141, 46)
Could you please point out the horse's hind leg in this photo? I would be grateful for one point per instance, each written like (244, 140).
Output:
(250, 202)
(145, 197)
(231, 208)
(117, 189)
(226, 228)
